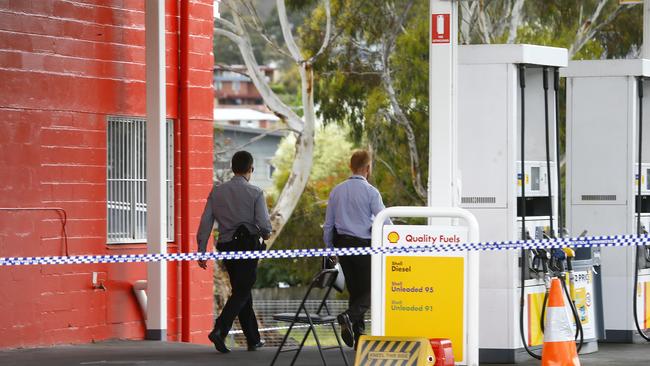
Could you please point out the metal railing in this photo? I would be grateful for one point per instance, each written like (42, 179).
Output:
(273, 331)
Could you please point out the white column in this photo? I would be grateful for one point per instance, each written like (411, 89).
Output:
(645, 50)
(156, 146)
(444, 187)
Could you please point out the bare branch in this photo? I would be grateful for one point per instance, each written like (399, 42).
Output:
(294, 122)
(328, 31)
(585, 28)
(249, 142)
(230, 35)
(227, 24)
(502, 20)
(484, 25)
(358, 73)
(590, 29)
(256, 24)
(516, 17)
(392, 36)
(469, 14)
(286, 32)
(231, 69)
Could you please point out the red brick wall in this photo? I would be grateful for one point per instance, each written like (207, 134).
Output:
(64, 67)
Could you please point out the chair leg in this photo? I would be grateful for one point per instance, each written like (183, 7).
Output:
(295, 356)
(322, 356)
(277, 353)
(338, 339)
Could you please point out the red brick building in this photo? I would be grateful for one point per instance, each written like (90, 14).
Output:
(72, 105)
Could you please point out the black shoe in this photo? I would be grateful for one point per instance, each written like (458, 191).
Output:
(356, 340)
(254, 347)
(346, 329)
(219, 344)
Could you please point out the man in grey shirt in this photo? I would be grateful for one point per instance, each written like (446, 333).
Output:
(240, 211)
(351, 209)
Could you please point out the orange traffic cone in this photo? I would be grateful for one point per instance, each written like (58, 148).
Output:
(559, 344)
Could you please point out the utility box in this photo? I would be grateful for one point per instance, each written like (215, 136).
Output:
(489, 135)
(603, 105)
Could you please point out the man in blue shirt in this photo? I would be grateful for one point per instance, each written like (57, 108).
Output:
(351, 209)
(240, 210)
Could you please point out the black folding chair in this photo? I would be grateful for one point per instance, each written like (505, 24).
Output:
(323, 280)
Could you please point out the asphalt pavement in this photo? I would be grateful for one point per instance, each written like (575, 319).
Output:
(173, 353)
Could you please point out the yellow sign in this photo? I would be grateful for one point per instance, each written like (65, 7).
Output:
(535, 305)
(646, 300)
(398, 351)
(425, 297)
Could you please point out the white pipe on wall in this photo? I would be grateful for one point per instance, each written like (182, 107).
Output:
(140, 292)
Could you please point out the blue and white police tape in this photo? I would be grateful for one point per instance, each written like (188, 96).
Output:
(582, 242)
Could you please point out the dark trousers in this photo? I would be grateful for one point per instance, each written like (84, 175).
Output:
(243, 274)
(357, 280)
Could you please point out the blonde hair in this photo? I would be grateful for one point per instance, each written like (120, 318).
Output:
(359, 160)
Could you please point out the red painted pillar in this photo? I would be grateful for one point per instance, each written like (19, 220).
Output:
(183, 96)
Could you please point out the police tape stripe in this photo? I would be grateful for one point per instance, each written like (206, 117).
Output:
(583, 242)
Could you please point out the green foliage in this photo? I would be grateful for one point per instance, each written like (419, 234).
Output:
(350, 90)
(557, 22)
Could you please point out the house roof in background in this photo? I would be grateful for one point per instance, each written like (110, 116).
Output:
(242, 114)
(250, 130)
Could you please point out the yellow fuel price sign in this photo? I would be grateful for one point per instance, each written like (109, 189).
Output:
(424, 297)
(425, 294)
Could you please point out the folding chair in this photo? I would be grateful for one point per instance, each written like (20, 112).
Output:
(323, 280)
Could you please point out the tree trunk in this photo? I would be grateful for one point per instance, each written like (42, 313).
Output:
(303, 160)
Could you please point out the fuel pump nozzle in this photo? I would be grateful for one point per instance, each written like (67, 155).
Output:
(539, 263)
(570, 254)
(646, 248)
(557, 262)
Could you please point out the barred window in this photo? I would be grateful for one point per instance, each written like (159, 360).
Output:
(126, 186)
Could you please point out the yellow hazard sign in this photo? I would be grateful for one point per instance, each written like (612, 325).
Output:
(397, 351)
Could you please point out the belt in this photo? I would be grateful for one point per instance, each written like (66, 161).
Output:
(354, 239)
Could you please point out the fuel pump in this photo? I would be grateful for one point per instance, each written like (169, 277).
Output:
(507, 191)
(608, 192)
(552, 262)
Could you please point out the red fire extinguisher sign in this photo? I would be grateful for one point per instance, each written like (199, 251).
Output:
(440, 28)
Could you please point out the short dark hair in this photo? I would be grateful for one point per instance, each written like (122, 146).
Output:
(241, 162)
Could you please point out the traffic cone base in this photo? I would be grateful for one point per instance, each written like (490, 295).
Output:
(559, 345)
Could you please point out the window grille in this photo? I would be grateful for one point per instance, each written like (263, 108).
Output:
(126, 186)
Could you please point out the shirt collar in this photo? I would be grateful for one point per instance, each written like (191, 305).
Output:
(239, 178)
(357, 176)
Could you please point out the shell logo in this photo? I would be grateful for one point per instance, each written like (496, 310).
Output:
(393, 237)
